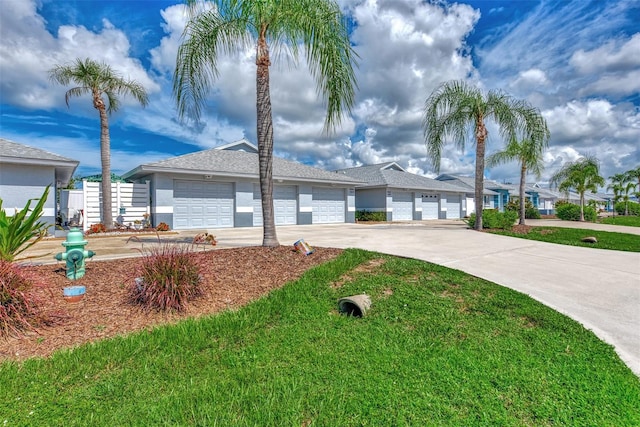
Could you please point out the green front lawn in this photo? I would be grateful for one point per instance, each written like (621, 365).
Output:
(573, 236)
(438, 347)
(632, 220)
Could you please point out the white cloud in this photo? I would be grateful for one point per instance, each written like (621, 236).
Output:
(28, 51)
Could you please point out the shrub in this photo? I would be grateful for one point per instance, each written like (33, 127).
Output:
(169, 278)
(571, 212)
(22, 230)
(162, 227)
(491, 218)
(634, 208)
(370, 216)
(18, 307)
(97, 228)
(530, 212)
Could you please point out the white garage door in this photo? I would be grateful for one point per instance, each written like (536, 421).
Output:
(201, 204)
(328, 205)
(453, 206)
(284, 205)
(430, 203)
(402, 205)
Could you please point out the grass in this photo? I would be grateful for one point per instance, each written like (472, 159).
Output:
(437, 348)
(573, 236)
(632, 221)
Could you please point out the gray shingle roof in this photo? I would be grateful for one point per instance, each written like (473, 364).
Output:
(467, 182)
(393, 176)
(11, 152)
(237, 164)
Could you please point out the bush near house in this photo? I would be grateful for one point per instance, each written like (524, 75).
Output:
(18, 307)
(570, 212)
(370, 216)
(493, 219)
(634, 208)
(530, 212)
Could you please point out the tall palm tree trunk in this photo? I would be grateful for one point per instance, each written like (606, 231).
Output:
(105, 159)
(265, 141)
(523, 176)
(481, 137)
(582, 206)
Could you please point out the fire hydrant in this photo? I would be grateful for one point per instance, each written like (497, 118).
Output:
(75, 254)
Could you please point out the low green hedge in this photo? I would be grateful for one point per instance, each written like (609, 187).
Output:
(634, 208)
(571, 212)
(491, 218)
(370, 216)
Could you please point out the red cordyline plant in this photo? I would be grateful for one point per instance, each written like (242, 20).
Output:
(169, 277)
(18, 306)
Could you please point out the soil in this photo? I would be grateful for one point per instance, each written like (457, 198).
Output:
(231, 278)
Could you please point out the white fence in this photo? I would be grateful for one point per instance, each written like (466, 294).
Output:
(129, 203)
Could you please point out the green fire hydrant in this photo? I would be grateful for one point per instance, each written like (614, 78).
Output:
(75, 254)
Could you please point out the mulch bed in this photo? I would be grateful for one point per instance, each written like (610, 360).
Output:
(231, 279)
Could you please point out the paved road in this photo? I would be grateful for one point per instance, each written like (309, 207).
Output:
(598, 288)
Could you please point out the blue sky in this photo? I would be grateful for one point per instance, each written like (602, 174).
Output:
(577, 61)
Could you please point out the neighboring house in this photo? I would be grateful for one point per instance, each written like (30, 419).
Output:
(490, 198)
(26, 171)
(219, 187)
(405, 196)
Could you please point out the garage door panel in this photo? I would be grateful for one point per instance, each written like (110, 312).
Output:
(453, 206)
(203, 204)
(285, 205)
(328, 205)
(430, 203)
(402, 205)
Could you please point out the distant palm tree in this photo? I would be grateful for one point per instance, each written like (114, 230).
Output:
(617, 186)
(98, 80)
(634, 175)
(582, 175)
(528, 152)
(315, 27)
(455, 107)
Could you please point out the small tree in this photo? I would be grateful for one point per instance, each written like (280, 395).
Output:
(528, 152)
(22, 230)
(582, 175)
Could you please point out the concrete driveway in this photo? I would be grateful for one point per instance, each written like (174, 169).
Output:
(598, 288)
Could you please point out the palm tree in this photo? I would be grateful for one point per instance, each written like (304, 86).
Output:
(455, 107)
(617, 185)
(581, 175)
(99, 80)
(528, 152)
(316, 27)
(634, 175)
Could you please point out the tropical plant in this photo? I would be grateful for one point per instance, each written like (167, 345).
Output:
(634, 175)
(581, 175)
(493, 219)
(573, 212)
(622, 187)
(169, 278)
(19, 307)
(99, 80)
(22, 230)
(530, 211)
(315, 27)
(456, 107)
(528, 152)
